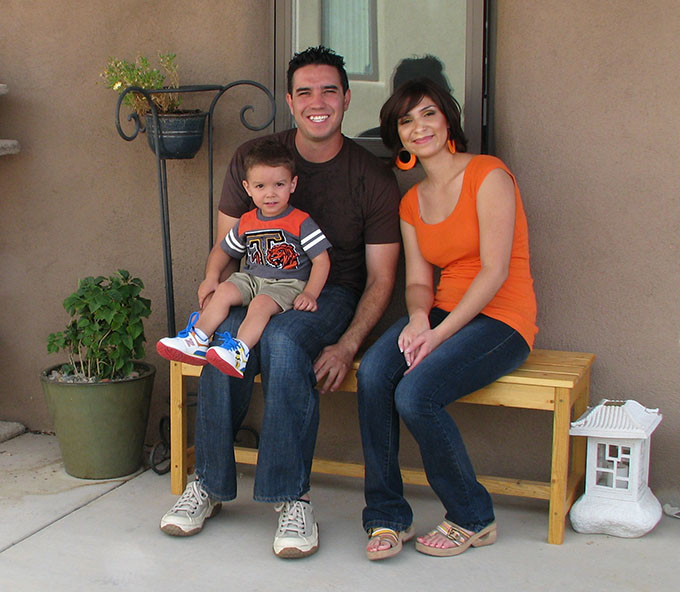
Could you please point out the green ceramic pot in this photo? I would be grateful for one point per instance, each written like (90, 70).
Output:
(100, 427)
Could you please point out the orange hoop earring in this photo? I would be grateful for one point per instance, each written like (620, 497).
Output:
(452, 146)
(402, 163)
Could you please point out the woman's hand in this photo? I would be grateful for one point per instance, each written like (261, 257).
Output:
(420, 347)
(417, 325)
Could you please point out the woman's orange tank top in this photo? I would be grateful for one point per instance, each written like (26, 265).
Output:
(453, 246)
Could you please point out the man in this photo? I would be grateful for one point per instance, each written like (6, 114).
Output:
(354, 198)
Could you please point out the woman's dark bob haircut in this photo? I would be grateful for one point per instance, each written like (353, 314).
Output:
(405, 98)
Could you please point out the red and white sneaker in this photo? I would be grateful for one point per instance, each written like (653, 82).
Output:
(230, 357)
(186, 347)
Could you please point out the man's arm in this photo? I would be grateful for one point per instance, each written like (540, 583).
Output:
(335, 360)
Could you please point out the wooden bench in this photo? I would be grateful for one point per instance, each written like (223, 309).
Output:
(554, 381)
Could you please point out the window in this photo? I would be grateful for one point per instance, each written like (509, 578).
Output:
(389, 33)
(349, 27)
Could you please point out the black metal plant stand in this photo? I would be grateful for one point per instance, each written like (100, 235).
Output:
(162, 169)
(160, 453)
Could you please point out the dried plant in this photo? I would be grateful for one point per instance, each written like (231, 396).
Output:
(120, 74)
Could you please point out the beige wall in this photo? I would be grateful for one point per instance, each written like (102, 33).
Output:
(78, 200)
(586, 116)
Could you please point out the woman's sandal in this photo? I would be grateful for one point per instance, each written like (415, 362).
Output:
(394, 538)
(461, 538)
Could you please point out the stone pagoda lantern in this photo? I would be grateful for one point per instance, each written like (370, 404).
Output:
(617, 500)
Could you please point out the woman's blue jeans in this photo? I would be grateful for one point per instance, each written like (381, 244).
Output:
(482, 351)
(285, 358)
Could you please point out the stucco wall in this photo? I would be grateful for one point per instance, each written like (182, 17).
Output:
(586, 116)
(78, 200)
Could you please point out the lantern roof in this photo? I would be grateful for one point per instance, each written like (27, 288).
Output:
(617, 419)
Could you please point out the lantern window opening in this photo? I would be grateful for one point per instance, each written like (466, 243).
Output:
(613, 466)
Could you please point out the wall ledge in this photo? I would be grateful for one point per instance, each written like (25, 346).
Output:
(7, 146)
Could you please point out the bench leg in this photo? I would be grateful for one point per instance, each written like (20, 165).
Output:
(578, 458)
(560, 466)
(578, 446)
(178, 429)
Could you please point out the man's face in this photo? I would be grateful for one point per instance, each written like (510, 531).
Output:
(317, 102)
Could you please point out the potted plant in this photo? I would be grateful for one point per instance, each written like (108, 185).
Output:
(99, 399)
(180, 132)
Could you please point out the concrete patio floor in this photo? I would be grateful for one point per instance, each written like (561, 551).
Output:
(59, 533)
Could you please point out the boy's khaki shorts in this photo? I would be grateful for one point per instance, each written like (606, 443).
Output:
(281, 291)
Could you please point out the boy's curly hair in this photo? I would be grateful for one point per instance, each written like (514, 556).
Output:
(269, 152)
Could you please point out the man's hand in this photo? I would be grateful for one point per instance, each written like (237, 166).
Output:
(333, 364)
(335, 361)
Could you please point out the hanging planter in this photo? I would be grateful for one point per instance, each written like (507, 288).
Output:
(143, 88)
(181, 133)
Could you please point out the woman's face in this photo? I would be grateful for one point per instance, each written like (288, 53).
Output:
(423, 130)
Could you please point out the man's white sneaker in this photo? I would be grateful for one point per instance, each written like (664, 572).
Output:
(298, 533)
(186, 347)
(188, 514)
(229, 357)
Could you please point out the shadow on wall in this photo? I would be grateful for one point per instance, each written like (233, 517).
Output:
(427, 66)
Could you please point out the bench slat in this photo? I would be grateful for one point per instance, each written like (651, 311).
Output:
(539, 378)
(513, 395)
(563, 358)
(499, 485)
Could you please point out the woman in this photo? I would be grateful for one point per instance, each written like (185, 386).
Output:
(466, 218)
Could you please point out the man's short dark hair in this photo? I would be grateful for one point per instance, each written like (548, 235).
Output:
(271, 153)
(317, 56)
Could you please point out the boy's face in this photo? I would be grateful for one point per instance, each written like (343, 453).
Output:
(270, 188)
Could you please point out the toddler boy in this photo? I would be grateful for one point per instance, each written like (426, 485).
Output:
(286, 267)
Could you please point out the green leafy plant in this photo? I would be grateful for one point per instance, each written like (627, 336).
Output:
(106, 332)
(120, 74)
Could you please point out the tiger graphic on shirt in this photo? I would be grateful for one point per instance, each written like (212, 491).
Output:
(271, 248)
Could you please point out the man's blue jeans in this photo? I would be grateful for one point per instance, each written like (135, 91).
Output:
(285, 358)
(482, 351)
